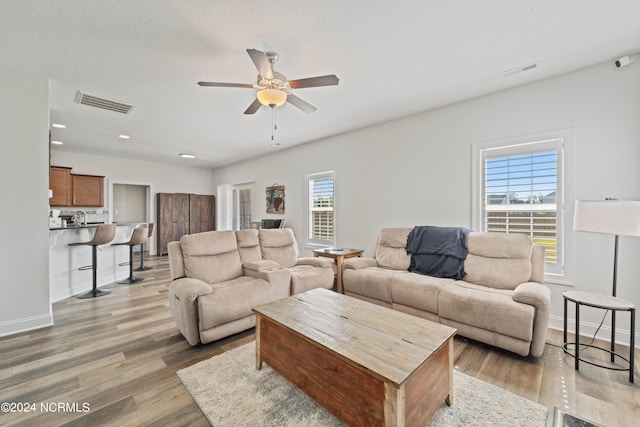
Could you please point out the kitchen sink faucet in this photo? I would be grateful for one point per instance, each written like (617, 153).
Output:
(76, 217)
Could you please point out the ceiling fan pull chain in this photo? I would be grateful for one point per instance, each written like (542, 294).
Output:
(274, 124)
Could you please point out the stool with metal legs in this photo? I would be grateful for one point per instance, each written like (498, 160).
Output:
(138, 237)
(103, 235)
(142, 267)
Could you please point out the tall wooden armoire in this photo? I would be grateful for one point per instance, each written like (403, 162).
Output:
(180, 214)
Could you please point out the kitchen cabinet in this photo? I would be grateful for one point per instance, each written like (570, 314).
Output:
(181, 213)
(71, 189)
(60, 184)
(87, 190)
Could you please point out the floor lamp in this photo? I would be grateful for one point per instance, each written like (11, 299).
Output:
(617, 217)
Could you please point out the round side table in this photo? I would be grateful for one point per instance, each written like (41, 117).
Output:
(604, 302)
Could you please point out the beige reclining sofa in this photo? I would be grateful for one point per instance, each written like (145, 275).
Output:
(501, 301)
(219, 276)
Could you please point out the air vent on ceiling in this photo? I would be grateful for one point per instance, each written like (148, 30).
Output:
(521, 69)
(104, 103)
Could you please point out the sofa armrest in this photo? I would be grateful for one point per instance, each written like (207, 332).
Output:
(259, 265)
(316, 262)
(539, 296)
(182, 296)
(357, 263)
(279, 278)
(187, 289)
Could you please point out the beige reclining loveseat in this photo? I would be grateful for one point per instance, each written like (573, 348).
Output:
(501, 301)
(219, 276)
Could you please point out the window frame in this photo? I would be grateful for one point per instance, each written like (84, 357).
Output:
(565, 166)
(318, 243)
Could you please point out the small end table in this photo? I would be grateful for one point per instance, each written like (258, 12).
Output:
(603, 302)
(339, 255)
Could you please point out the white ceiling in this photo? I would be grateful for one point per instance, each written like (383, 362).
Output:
(393, 58)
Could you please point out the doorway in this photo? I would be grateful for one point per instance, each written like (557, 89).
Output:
(131, 203)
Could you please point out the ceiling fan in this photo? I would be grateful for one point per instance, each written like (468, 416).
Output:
(274, 86)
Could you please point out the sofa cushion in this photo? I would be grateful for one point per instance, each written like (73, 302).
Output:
(211, 256)
(418, 291)
(248, 245)
(486, 308)
(279, 245)
(390, 251)
(497, 260)
(232, 300)
(373, 282)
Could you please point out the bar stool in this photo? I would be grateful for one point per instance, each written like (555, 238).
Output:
(103, 235)
(142, 267)
(139, 236)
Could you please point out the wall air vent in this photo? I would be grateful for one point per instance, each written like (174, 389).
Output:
(521, 69)
(103, 103)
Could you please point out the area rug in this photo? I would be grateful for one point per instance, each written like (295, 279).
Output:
(231, 392)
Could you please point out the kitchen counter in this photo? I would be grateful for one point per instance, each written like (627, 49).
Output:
(75, 227)
(65, 278)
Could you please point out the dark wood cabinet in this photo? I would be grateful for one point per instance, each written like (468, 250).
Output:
(202, 215)
(179, 214)
(60, 184)
(87, 190)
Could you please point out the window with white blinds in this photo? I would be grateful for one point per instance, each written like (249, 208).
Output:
(521, 192)
(320, 196)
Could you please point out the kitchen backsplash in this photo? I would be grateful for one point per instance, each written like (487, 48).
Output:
(93, 214)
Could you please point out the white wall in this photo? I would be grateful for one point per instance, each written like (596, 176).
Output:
(417, 170)
(161, 178)
(24, 185)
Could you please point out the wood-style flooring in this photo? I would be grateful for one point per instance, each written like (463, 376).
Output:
(112, 361)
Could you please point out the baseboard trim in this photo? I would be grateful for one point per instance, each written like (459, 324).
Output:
(26, 324)
(587, 329)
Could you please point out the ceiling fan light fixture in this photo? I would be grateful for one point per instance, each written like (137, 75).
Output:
(272, 97)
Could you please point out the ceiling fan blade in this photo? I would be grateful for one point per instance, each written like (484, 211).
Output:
(261, 62)
(255, 105)
(328, 80)
(218, 84)
(303, 105)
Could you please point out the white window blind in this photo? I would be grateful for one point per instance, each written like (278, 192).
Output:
(320, 225)
(521, 192)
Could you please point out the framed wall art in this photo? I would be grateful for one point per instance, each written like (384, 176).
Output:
(275, 199)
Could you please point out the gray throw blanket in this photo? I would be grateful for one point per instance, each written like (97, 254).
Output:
(438, 251)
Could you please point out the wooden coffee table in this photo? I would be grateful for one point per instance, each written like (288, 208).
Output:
(366, 364)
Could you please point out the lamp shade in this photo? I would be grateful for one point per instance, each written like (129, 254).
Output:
(619, 217)
(272, 97)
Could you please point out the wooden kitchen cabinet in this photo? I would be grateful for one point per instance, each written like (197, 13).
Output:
(87, 190)
(60, 184)
(181, 213)
(71, 189)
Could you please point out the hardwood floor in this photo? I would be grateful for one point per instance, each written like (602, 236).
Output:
(112, 361)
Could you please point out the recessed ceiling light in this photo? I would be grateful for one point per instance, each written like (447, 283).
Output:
(123, 136)
(56, 142)
(58, 125)
(187, 155)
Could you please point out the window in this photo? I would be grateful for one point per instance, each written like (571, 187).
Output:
(520, 189)
(320, 196)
